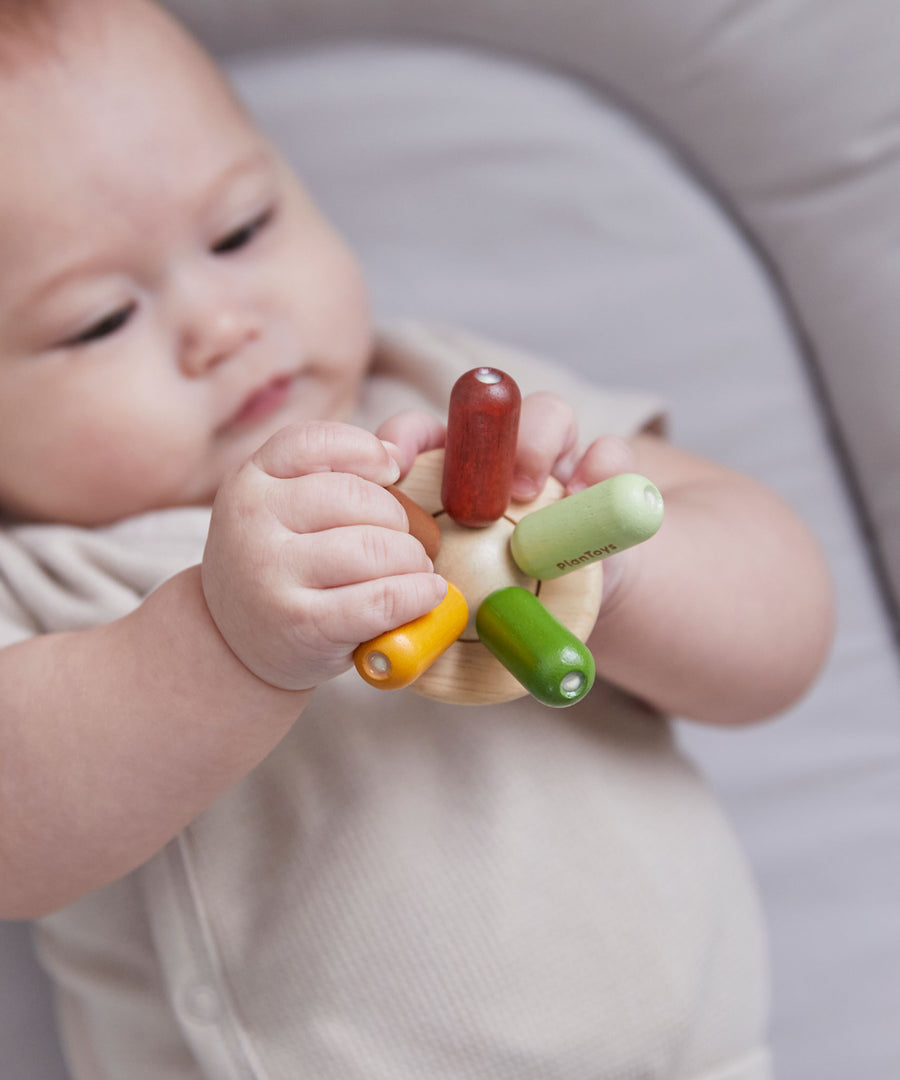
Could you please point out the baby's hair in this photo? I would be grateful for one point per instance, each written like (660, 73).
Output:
(26, 27)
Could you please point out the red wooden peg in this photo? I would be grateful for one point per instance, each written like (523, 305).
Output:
(482, 427)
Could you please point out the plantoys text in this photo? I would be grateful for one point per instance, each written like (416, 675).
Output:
(588, 556)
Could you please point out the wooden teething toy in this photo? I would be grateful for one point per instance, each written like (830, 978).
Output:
(516, 616)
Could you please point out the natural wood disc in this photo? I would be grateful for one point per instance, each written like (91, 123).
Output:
(478, 561)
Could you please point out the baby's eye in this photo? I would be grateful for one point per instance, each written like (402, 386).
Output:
(242, 236)
(102, 328)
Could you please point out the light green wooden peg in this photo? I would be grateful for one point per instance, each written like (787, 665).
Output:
(601, 520)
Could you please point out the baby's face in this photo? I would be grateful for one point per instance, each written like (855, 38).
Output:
(169, 296)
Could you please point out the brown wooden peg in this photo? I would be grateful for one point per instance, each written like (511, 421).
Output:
(421, 524)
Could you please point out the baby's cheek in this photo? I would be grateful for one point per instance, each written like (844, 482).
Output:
(339, 321)
(116, 471)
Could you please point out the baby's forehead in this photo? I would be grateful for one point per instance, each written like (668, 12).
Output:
(80, 34)
(127, 117)
(36, 31)
(95, 54)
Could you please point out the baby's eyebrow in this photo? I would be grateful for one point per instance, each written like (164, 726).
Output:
(258, 160)
(98, 263)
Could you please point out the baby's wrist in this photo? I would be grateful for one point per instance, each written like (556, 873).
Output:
(619, 575)
(217, 655)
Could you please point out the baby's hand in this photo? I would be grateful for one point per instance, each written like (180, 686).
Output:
(308, 555)
(547, 446)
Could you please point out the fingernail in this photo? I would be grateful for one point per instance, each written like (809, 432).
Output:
(395, 455)
(575, 486)
(523, 487)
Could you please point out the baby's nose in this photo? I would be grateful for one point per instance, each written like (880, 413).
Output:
(214, 336)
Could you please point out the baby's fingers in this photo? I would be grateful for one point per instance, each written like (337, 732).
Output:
(366, 609)
(412, 433)
(605, 457)
(326, 446)
(321, 501)
(346, 556)
(548, 438)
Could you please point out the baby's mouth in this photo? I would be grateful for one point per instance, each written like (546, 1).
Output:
(261, 403)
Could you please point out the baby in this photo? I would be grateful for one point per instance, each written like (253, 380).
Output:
(243, 861)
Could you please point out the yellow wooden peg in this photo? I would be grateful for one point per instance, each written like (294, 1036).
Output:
(398, 657)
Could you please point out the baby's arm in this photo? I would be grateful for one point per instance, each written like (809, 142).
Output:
(725, 615)
(113, 739)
